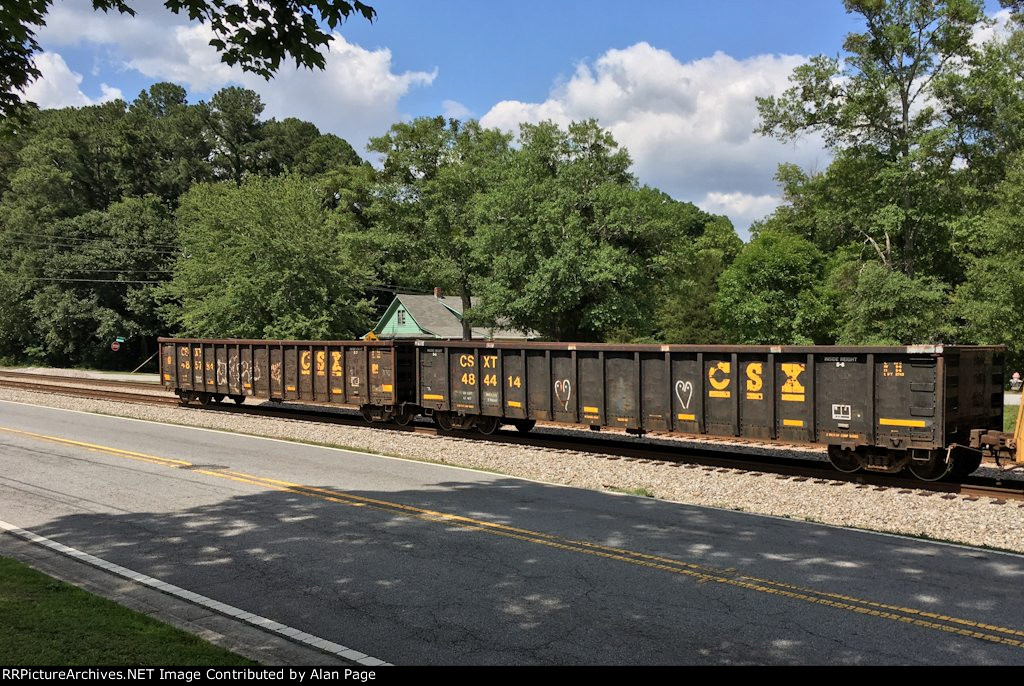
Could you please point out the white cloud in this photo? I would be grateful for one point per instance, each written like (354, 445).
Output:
(688, 125)
(453, 109)
(58, 86)
(742, 208)
(355, 96)
(999, 28)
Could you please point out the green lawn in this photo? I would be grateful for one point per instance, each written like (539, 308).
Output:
(1009, 417)
(48, 622)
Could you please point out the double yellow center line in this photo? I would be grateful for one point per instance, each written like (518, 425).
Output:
(701, 573)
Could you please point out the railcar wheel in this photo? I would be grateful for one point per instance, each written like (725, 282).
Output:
(205, 399)
(184, 399)
(846, 461)
(219, 398)
(239, 399)
(935, 468)
(443, 421)
(524, 426)
(487, 425)
(366, 412)
(403, 418)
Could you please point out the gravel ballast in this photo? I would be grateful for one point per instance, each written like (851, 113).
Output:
(980, 522)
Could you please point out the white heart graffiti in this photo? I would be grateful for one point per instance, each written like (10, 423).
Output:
(684, 387)
(563, 387)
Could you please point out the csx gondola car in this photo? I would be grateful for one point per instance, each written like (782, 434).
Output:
(932, 409)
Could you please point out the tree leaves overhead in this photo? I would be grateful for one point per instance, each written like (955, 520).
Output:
(256, 35)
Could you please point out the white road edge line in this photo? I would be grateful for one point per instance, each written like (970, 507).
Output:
(262, 623)
(780, 518)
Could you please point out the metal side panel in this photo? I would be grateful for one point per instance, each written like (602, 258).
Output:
(433, 374)
(514, 383)
(590, 382)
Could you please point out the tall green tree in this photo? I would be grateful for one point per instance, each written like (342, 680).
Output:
(264, 259)
(770, 293)
(236, 133)
(575, 247)
(96, 279)
(162, 147)
(991, 298)
(434, 173)
(685, 294)
(880, 111)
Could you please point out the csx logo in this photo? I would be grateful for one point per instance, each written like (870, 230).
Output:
(755, 381)
(719, 378)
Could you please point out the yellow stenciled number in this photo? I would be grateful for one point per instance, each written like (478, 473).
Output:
(490, 380)
(515, 382)
(469, 379)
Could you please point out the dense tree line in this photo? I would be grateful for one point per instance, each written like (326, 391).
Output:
(163, 217)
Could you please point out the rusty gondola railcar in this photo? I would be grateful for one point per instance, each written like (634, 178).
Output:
(376, 376)
(933, 409)
(877, 408)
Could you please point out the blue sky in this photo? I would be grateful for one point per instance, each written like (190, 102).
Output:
(674, 81)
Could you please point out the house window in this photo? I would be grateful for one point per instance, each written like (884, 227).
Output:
(401, 317)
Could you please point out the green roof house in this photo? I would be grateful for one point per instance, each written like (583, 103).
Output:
(434, 316)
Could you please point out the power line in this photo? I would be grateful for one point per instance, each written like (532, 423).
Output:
(42, 278)
(79, 246)
(94, 238)
(111, 271)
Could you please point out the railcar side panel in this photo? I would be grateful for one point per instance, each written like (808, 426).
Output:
(590, 372)
(433, 378)
(687, 392)
(622, 389)
(755, 400)
(540, 382)
(844, 411)
(513, 379)
(656, 391)
(719, 401)
(793, 399)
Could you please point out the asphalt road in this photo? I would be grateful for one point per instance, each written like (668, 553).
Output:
(417, 563)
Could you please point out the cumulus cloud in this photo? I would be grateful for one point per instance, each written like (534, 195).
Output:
(453, 109)
(58, 86)
(742, 208)
(688, 125)
(355, 96)
(998, 28)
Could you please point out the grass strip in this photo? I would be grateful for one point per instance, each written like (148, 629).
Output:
(48, 622)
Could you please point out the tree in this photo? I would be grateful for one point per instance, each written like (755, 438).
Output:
(574, 247)
(880, 111)
(96, 280)
(767, 293)
(264, 260)
(433, 174)
(256, 35)
(686, 293)
(235, 132)
(163, 149)
(990, 299)
(884, 306)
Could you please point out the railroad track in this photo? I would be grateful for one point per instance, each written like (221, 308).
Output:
(717, 458)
